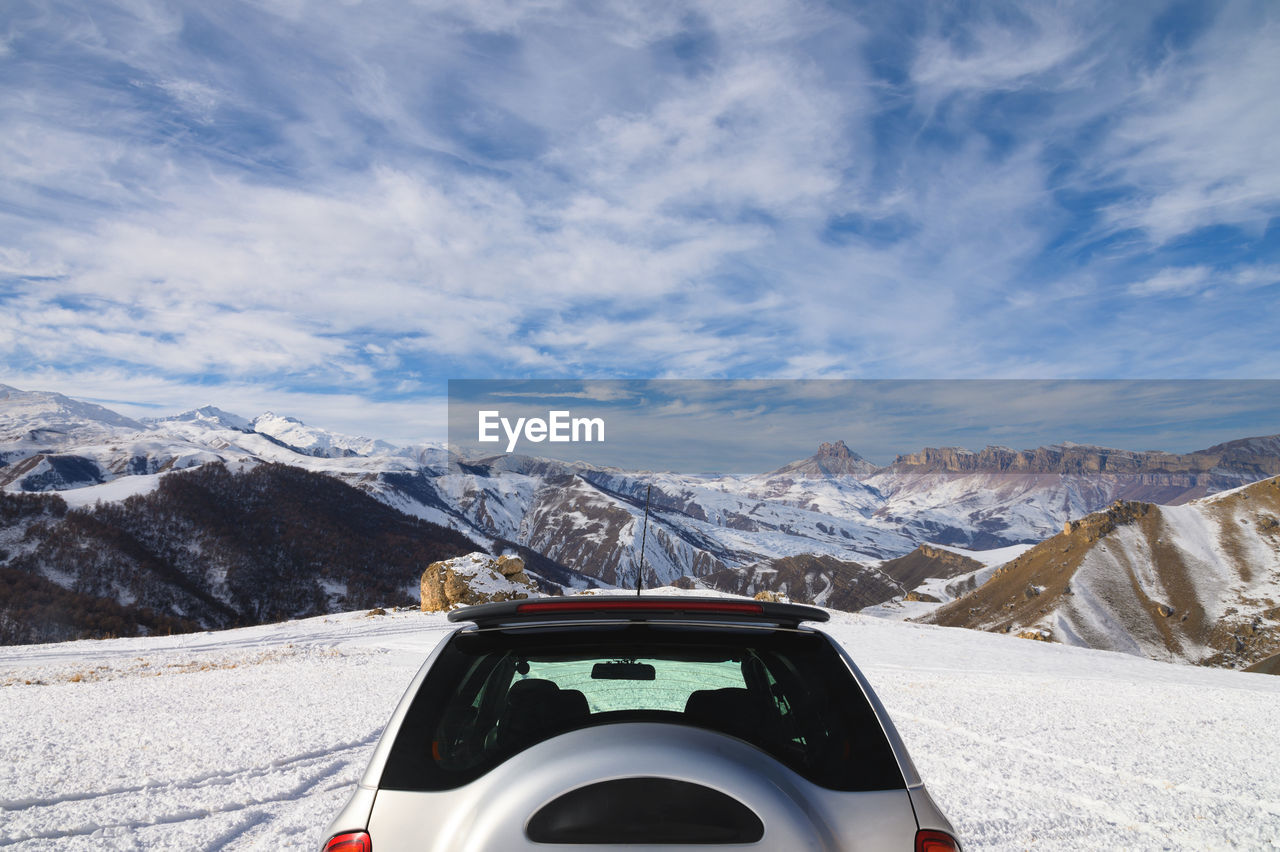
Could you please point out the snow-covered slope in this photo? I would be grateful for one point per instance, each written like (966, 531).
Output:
(940, 574)
(1197, 583)
(253, 738)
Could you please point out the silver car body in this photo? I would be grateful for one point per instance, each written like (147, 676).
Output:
(493, 811)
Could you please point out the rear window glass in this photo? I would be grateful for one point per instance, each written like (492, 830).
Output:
(492, 694)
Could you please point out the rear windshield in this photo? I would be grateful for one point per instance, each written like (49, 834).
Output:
(492, 694)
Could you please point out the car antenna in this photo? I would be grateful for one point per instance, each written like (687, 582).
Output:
(644, 533)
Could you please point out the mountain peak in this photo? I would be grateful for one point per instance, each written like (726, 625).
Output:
(313, 441)
(270, 417)
(836, 450)
(834, 458)
(209, 415)
(41, 415)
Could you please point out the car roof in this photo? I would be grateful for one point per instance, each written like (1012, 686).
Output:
(613, 608)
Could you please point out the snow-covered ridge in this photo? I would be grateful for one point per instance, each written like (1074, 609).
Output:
(208, 416)
(834, 505)
(49, 442)
(318, 442)
(36, 416)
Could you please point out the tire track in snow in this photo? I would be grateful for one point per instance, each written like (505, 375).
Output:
(196, 781)
(262, 823)
(313, 769)
(238, 831)
(1161, 784)
(183, 815)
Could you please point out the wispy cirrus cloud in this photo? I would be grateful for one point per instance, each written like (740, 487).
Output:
(323, 201)
(1197, 140)
(1175, 281)
(1207, 281)
(1004, 47)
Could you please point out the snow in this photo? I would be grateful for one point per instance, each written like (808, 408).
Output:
(1092, 619)
(55, 418)
(253, 738)
(993, 558)
(949, 588)
(110, 492)
(335, 592)
(316, 441)
(1029, 506)
(482, 577)
(194, 742)
(786, 513)
(1034, 746)
(1223, 557)
(208, 416)
(1195, 533)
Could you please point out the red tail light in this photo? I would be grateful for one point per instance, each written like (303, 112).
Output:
(641, 605)
(928, 840)
(355, 841)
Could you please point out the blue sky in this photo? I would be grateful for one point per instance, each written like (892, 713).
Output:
(329, 209)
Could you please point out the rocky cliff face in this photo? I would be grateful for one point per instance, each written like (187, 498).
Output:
(1196, 583)
(1000, 496)
(1238, 461)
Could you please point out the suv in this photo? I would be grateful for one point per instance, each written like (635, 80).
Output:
(600, 721)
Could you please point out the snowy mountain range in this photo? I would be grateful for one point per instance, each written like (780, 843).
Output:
(832, 528)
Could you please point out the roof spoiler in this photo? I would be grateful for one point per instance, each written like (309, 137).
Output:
(634, 608)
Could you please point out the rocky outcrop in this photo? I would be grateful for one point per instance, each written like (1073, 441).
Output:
(474, 579)
(1093, 527)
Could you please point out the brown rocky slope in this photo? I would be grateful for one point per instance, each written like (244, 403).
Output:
(1198, 583)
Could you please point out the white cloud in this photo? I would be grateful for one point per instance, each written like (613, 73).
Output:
(196, 97)
(307, 206)
(999, 51)
(1256, 276)
(1198, 141)
(1189, 280)
(17, 263)
(759, 134)
(1178, 281)
(219, 273)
